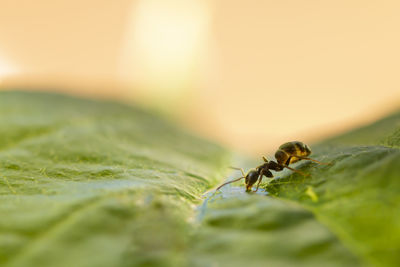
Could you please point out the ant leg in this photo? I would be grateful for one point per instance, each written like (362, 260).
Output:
(264, 158)
(319, 162)
(259, 181)
(235, 180)
(299, 172)
(239, 169)
(263, 173)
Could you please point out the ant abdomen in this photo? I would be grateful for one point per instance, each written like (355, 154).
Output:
(292, 152)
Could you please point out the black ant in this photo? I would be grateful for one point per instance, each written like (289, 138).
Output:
(287, 153)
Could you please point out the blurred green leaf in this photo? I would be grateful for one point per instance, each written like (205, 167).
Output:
(96, 183)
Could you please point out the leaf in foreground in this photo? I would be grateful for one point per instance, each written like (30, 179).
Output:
(94, 183)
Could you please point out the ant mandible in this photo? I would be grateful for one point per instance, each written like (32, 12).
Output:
(287, 153)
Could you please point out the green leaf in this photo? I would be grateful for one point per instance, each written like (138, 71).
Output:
(358, 195)
(97, 183)
(343, 214)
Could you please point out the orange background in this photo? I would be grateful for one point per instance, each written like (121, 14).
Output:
(249, 74)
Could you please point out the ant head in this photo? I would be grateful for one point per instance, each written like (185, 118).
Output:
(251, 178)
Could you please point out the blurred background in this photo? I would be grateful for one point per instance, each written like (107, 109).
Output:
(249, 74)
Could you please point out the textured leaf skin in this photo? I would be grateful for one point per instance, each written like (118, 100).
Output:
(255, 230)
(359, 194)
(97, 183)
(343, 214)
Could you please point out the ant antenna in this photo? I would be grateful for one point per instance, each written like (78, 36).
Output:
(235, 180)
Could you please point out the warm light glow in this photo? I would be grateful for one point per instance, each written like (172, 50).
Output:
(249, 74)
(6, 69)
(164, 44)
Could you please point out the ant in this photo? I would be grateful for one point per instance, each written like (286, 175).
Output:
(287, 153)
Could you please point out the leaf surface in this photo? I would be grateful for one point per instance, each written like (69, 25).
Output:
(358, 195)
(97, 183)
(342, 214)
